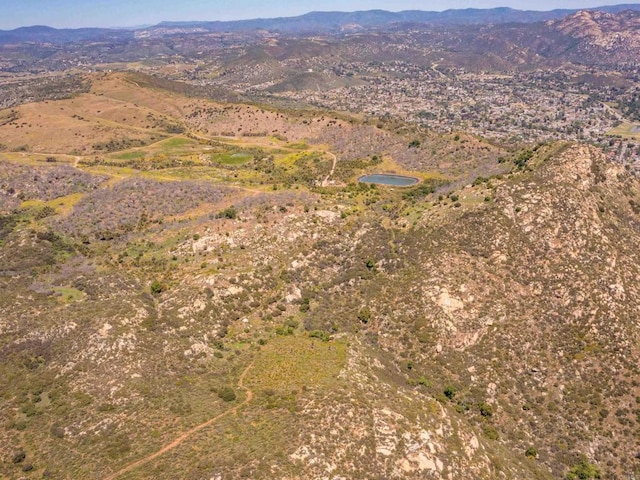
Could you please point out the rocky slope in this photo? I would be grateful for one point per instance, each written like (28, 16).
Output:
(601, 37)
(493, 339)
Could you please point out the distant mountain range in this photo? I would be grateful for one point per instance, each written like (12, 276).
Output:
(322, 22)
(43, 34)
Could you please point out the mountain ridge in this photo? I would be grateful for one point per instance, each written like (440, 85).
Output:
(315, 21)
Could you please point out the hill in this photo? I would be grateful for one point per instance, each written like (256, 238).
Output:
(598, 35)
(225, 300)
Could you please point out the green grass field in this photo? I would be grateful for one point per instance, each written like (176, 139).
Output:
(132, 155)
(288, 363)
(232, 158)
(628, 130)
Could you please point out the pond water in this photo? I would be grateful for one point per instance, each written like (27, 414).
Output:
(386, 179)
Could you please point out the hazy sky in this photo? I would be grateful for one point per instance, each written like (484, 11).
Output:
(105, 13)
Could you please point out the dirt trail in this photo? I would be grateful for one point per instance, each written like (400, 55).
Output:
(325, 182)
(434, 67)
(188, 433)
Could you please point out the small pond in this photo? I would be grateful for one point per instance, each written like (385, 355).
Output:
(387, 179)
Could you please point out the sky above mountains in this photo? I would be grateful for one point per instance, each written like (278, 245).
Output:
(109, 13)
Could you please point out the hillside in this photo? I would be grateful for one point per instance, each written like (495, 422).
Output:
(602, 35)
(198, 289)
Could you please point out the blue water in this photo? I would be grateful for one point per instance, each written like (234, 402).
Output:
(384, 179)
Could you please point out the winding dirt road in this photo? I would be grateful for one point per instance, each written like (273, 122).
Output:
(188, 433)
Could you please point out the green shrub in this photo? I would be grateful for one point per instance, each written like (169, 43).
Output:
(229, 212)
(583, 471)
(28, 409)
(450, 392)
(420, 191)
(522, 159)
(227, 394)
(305, 305)
(45, 212)
(491, 433)
(364, 315)
(531, 452)
(486, 410)
(324, 336)
(156, 287)
(284, 330)
(424, 382)
(479, 181)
